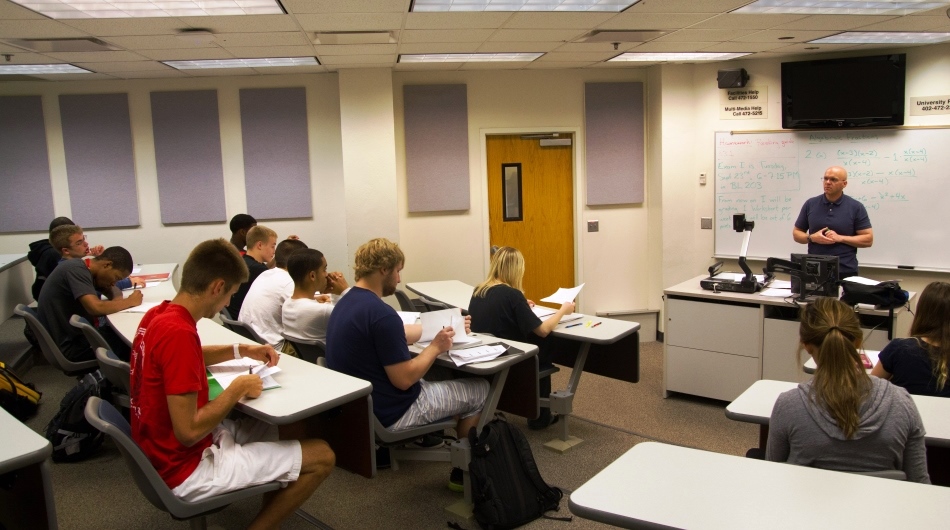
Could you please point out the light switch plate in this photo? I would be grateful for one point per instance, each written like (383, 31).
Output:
(593, 226)
(705, 223)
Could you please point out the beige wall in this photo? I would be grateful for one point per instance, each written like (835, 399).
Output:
(639, 250)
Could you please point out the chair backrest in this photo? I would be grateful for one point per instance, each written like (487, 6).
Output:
(310, 350)
(92, 335)
(48, 346)
(405, 303)
(114, 369)
(892, 474)
(432, 305)
(103, 416)
(241, 329)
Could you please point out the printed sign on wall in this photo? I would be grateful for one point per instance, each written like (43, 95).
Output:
(744, 103)
(930, 105)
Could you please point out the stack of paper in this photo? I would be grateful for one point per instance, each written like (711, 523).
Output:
(408, 317)
(434, 321)
(141, 308)
(476, 354)
(563, 295)
(545, 312)
(221, 375)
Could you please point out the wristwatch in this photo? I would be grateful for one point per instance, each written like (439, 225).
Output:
(809, 238)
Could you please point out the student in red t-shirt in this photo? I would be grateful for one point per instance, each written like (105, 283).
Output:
(196, 450)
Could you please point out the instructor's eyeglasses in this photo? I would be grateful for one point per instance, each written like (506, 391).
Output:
(832, 180)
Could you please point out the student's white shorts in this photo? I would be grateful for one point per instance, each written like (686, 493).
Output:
(244, 453)
(444, 399)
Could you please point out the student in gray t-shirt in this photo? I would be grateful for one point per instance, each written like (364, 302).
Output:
(73, 289)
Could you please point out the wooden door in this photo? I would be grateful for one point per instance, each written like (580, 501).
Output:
(545, 232)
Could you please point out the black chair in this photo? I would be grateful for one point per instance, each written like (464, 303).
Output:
(117, 372)
(49, 348)
(240, 328)
(103, 416)
(405, 303)
(311, 350)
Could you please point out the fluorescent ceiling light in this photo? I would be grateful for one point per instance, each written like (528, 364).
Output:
(883, 37)
(243, 63)
(150, 8)
(610, 6)
(840, 7)
(469, 57)
(677, 57)
(35, 69)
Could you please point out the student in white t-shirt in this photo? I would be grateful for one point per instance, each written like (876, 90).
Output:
(302, 315)
(262, 305)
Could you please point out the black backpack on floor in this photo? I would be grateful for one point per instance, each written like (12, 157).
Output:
(507, 488)
(72, 437)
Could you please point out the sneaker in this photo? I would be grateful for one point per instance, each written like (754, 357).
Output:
(456, 482)
(382, 458)
(428, 441)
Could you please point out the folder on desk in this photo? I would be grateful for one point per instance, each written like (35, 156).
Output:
(221, 375)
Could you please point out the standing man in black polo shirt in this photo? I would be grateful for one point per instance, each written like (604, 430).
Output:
(833, 224)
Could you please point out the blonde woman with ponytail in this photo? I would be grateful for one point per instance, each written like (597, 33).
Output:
(920, 363)
(843, 419)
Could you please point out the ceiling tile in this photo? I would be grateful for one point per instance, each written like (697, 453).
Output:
(124, 66)
(303, 69)
(773, 35)
(404, 67)
(526, 47)
(532, 35)
(456, 20)
(346, 6)
(444, 35)
(802, 47)
(749, 21)
(665, 47)
(73, 77)
(332, 60)
(551, 65)
(18, 56)
(439, 47)
(187, 54)
(282, 38)
(254, 52)
(642, 21)
(556, 20)
(11, 11)
(156, 42)
(686, 6)
(150, 74)
(336, 67)
(928, 23)
(743, 46)
(595, 46)
(590, 57)
(703, 35)
(493, 66)
(37, 29)
(243, 24)
(127, 26)
(88, 57)
(834, 22)
(351, 22)
(356, 49)
(221, 72)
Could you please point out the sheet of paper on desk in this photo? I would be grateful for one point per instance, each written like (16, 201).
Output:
(141, 308)
(863, 281)
(738, 276)
(778, 293)
(137, 269)
(564, 295)
(408, 317)
(545, 312)
(160, 277)
(475, 355)
(147, 285)
(225, 373)
(781, 284)
(434, 321)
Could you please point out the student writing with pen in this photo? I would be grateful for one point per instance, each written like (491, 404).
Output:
(498, 306)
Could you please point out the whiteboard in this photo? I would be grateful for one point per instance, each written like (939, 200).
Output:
(902, 176)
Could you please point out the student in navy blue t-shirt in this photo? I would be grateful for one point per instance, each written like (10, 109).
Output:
(833, 224)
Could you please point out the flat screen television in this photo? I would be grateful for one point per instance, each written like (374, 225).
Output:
(851, 92)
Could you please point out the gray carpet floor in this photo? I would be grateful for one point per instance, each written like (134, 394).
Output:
(610, 416)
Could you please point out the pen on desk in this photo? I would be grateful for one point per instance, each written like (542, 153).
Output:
(250, 370)
(597, 324)
(572, 325)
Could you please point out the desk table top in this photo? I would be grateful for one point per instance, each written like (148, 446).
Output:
(452, 292)
(655, 485)
(10, 260)
(756, 403)
(21, 445)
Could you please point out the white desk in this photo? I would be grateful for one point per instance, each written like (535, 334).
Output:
(717, 344)
(656, 486)
(29, 503)
(459, 294)
(756, 403)
(308, 392)
(16, 277)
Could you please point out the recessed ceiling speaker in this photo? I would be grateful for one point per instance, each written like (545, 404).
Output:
(732, 78)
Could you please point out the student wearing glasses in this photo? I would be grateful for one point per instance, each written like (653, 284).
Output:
(833, 224)
(844, 419)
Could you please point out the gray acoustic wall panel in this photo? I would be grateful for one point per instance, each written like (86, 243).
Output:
(276, 152)
(97, 137)
(614, 132)
(188, 156)
(436, 121)
(26, 194)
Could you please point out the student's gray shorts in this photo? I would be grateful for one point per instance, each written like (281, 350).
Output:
(444, 399)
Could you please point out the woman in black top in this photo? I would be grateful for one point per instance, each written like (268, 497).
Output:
(498, 306)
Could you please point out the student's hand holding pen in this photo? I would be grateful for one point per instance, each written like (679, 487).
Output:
(443, 339)
(134, 298)
(251, 385)
(137, 283)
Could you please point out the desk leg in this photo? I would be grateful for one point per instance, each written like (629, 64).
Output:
(28, 502)
(349, 431)
(763, 436)
(562, 402)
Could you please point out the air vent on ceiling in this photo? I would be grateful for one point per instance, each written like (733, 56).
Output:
(63, 45)
(354, 37)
